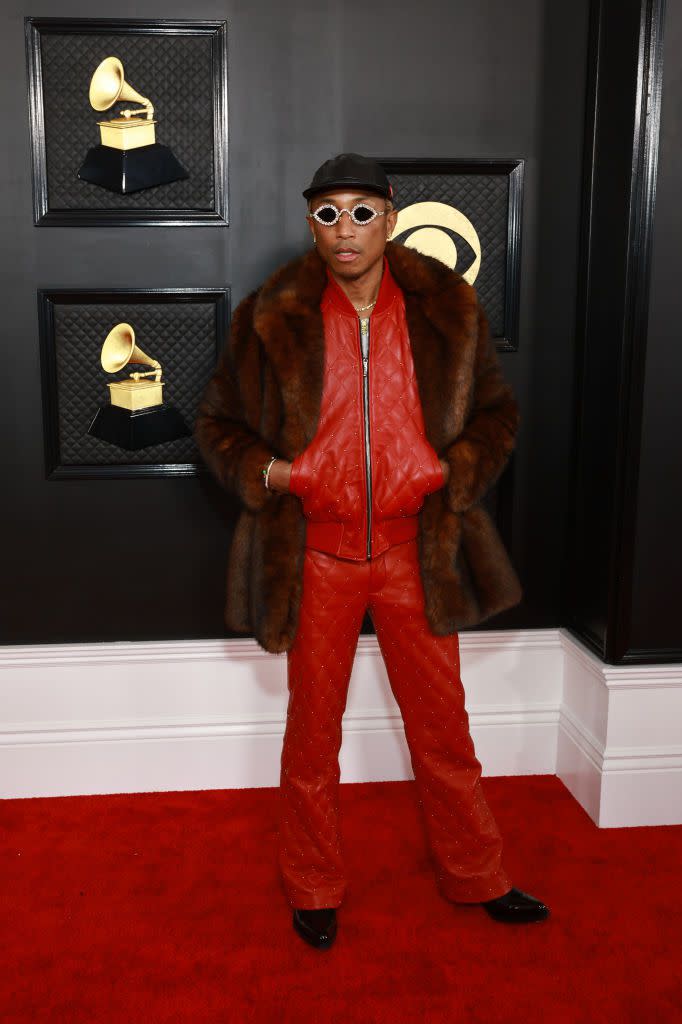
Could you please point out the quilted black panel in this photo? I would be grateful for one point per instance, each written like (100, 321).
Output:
(484, 199)
(174, 71)
(181, 335)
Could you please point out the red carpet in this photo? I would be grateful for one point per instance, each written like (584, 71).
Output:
(167, 907)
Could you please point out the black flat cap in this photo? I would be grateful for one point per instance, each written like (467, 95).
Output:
(350, 170)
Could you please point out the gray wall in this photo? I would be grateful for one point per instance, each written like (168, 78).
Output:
(431, 79)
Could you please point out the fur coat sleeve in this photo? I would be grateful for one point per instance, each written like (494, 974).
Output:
(482, 449)
(226, 429)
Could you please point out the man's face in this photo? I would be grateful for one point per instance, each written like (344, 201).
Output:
(351, 249)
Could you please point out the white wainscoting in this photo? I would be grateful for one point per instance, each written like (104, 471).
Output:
(209, 714)
(620, 739)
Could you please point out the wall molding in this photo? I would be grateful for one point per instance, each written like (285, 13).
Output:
(210, 714)
(367, 719)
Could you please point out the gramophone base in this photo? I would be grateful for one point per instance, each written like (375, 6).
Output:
(135, 430)
(129, 170)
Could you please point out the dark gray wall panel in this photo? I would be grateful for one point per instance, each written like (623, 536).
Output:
(305, 80)
(656, 607)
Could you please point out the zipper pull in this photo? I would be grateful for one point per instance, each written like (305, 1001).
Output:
(364, 366)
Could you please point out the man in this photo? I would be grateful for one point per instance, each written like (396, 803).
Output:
(360, 414)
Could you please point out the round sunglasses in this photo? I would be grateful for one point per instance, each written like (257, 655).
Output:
(361, 213)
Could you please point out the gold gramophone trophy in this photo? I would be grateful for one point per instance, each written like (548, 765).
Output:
(136, 416)
(128, 157)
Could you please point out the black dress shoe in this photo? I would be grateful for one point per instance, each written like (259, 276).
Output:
(516, 906)
(318, 927)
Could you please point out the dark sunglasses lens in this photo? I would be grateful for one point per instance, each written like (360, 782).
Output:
(363, 214)
(327, 214)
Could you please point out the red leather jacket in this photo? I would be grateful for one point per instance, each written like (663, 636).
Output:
(364, 476)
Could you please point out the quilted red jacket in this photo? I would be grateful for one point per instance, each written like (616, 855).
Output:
(364, 476)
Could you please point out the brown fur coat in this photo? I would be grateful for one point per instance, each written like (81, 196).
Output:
(264, 399)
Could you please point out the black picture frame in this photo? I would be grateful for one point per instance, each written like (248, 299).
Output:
(48, 300)
(511, 170)
(132, 214)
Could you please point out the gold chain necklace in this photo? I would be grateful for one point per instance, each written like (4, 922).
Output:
(359, 309)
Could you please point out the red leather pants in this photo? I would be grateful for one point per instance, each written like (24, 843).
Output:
(424, 674)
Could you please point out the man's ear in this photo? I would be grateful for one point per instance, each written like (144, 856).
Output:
(391, 222)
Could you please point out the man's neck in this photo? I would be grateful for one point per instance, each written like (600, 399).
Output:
(362, 291)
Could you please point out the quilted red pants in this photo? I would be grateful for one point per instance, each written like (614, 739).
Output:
(424, 674)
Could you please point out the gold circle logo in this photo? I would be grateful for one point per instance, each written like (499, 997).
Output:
(426, 223)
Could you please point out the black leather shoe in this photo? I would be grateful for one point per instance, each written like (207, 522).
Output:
(318, 927)
(516, 906)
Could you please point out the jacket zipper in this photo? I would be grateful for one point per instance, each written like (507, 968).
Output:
(364, 333)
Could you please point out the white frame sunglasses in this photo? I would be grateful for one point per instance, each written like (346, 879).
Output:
(352, 213)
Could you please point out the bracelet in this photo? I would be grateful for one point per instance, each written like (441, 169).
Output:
(266, 471)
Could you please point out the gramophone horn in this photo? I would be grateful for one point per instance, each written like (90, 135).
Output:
(108, 85)
(119, 349)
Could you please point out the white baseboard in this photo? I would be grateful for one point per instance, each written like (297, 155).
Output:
(619, 747)
(209, 714)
